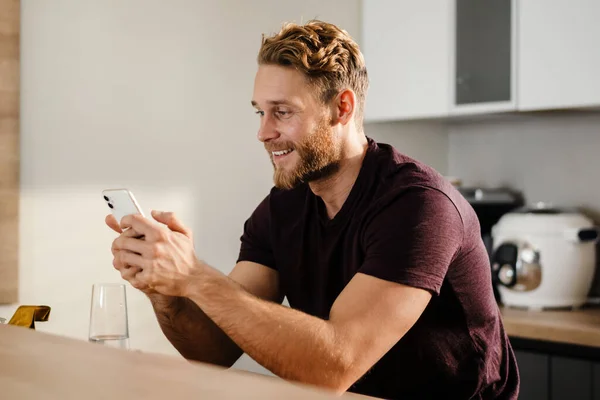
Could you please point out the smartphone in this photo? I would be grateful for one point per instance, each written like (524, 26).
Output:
(121, 203)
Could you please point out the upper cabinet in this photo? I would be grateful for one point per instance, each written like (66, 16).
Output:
(559, 54)
(405, 49)
(440, 58)
(482, 56)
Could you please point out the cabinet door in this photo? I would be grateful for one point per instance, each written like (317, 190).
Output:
(406, 45)
(596, 381)
(534, 372)
(571, 378)
(558, 56)
(484, 57)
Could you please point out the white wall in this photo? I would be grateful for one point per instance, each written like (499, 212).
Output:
(549, 157)
(153, 96)
(424, 140)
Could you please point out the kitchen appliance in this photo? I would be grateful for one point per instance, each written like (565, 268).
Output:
(490, 204)
(544, 257)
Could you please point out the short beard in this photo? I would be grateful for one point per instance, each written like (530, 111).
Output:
(319, 158)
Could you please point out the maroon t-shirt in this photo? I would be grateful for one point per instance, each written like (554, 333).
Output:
(402, 222)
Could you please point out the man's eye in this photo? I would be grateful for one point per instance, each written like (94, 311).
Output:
(261, 113)
(282, 114)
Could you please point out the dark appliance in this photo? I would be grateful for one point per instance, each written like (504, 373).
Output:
(489, 205)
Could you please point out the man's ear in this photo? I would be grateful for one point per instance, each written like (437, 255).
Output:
(344, 107)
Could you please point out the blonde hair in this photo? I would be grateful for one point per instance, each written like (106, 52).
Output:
(327, 56)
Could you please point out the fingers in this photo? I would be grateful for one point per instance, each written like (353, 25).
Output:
(112, 223)
(133, 275)
(129, 273)
(174, 223)
(131, 244)
(143, 280)
(126, 259)
(149, 228)
(118, 262)
(138, 284)
(144, 226)
(130, 232)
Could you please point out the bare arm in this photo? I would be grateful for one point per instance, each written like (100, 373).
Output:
(333, 353)
(195, 335)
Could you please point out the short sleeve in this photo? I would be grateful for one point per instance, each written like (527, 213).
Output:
(256, 239)
(414, 239)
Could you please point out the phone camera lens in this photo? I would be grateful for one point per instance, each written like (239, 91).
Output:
(110, 205)
(106, 198)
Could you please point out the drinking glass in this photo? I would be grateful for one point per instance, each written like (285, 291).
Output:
(108, 316)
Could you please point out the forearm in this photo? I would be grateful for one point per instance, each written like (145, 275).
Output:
(192, 333)
(291, 344)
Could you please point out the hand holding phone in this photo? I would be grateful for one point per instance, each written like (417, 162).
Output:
(121, 202)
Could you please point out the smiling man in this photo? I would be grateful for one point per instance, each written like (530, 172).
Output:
(380, 258)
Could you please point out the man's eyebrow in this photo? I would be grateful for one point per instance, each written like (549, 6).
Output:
(273, 102)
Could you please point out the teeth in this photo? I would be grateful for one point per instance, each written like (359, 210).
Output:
(281, 152)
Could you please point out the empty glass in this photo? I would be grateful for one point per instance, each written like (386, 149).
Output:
(108, 316)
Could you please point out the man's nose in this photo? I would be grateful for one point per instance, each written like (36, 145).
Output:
(267, 130)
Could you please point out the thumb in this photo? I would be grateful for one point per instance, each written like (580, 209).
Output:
(172, 222)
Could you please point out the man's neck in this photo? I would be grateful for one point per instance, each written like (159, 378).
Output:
(334, 190)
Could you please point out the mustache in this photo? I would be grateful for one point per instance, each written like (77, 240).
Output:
(278, 147)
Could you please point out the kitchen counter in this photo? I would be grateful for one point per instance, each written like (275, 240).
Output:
(36, 365)
(578, 327)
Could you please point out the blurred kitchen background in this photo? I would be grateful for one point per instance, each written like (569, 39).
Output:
(155, 96)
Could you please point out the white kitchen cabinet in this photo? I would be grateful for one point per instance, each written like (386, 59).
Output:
(442, 58)
(407, 52)
(558, 54)
(435, 58)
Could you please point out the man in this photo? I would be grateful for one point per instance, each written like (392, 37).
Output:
(380, 258)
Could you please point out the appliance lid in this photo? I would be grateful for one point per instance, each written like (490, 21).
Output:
(476, 195)
(544, 208)
(543, 219)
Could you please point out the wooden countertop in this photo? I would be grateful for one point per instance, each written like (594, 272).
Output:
(36, 365)
(580, 327)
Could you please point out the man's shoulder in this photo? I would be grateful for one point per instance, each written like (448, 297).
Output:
(401, 175)
(399, 172)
